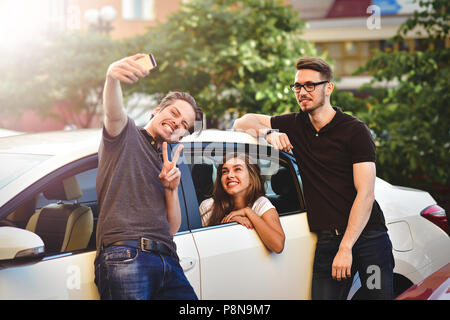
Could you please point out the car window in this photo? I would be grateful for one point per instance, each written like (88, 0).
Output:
(282, 189)
(63, 213)
(280, 179)
(86, 180)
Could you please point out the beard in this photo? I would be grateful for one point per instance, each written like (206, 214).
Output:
(312, 105)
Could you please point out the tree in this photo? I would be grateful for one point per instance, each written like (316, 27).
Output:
(411, 121)
(230, 55)
(68, 70)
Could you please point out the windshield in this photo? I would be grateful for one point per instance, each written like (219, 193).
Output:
(13, 166)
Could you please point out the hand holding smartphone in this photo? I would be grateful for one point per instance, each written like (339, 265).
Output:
(130, 69)
(147, 62)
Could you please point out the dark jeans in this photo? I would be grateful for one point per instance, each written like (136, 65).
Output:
(126, 273)
(372, 258)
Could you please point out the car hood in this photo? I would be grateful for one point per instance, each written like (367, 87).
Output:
(50, 143)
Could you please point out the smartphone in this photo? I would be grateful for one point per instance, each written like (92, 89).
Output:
(147, 62)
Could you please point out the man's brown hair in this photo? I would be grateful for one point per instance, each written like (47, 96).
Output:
(316, 64)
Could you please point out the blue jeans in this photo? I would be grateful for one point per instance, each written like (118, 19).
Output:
(126, 273)
(372, 259)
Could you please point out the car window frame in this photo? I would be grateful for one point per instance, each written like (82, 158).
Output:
(295, 170)
(184, 227)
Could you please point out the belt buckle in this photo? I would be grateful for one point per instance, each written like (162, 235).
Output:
(142, 244)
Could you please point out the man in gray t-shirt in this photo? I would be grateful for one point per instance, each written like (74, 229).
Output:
(137, 188)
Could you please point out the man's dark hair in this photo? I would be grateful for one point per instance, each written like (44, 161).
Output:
(316, 64)
(173, 96)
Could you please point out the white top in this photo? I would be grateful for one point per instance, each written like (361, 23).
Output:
(261, 206)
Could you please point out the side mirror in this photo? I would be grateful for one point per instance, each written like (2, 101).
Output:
(16, 243)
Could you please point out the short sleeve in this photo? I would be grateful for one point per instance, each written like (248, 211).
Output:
(108, 140)
(362, 146)
(206, 210)
(283, 123)
(262, 205)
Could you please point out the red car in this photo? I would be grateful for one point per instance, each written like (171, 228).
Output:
(434, 287)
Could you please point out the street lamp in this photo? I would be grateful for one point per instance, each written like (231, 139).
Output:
(100, 19)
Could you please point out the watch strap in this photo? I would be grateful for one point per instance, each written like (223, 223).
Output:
(268, 132)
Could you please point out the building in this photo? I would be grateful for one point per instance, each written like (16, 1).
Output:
(132, 16)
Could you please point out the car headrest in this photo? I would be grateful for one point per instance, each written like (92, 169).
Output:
(67, 189)
(282, 183)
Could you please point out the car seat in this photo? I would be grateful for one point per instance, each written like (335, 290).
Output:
(203, 182)
(63, 226)
(283, 185)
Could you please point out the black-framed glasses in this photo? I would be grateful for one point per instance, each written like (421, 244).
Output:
(309, 86)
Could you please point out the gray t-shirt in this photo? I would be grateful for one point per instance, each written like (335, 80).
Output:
(131, 201)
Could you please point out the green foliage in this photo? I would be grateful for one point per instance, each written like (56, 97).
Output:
(230, 55)
(411, 121)
(347, 102)
(77, 72)
(434, 21)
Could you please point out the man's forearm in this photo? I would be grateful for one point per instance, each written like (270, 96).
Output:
(250, 124)
(173, 210)
(359, 216)
(112, 100)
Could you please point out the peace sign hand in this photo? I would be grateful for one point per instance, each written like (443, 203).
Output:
(170, 174)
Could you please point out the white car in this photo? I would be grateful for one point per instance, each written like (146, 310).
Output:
(48, 214)
(7, 133)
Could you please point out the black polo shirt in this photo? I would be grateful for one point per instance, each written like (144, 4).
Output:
(326, 159)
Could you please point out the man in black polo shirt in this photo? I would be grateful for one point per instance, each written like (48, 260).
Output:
(336, 157)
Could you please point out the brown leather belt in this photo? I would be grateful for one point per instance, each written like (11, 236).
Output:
(146, 245)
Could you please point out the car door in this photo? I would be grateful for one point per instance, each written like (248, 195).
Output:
(70, 275)
(56, 275)
(234, 263)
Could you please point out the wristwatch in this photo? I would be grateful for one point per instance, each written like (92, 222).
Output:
(268, 132)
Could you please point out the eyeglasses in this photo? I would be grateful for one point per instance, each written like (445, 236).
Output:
(309, 86)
